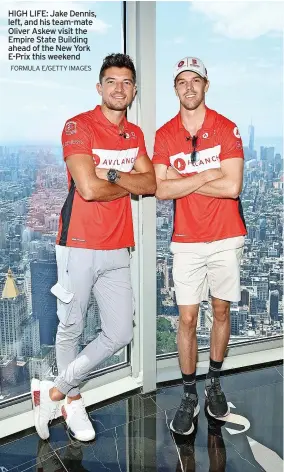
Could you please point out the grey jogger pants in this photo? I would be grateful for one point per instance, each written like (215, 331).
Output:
(80, 271)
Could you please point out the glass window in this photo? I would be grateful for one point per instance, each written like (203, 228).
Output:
(243, 54)
(37, 97)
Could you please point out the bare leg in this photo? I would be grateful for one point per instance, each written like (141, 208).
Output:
(56, 395)
(221, 329)
(186, 338)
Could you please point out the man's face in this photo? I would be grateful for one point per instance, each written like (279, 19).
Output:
(117, 89)
(190, 89)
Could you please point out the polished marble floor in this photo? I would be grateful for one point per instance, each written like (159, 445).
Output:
(133, 434)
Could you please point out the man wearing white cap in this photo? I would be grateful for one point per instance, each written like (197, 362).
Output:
(198, 159)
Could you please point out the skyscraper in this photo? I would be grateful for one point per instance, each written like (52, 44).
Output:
(251, 139)
(13, 312)
(273, 305)
(235, 325)
(43, 277)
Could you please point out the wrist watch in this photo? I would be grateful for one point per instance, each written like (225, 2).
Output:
(113, 176)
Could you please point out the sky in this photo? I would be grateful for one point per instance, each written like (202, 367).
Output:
(241, 44)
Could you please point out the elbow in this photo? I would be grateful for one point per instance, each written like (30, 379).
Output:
(159, 195)
(86, 193)
(153, 188)
(236, 190)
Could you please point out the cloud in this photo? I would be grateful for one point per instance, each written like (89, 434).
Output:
(238, 76)
(242, 20)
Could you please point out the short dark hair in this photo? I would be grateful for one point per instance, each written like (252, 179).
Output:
(117, 60)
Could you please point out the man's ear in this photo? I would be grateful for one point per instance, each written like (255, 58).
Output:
(99, 89)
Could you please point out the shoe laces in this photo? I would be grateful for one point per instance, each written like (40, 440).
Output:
(187, 403)
(78, 406)
(215, 387)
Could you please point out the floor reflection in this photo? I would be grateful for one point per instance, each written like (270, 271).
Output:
(215, 446)
(133, 434)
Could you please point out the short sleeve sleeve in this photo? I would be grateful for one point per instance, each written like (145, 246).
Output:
(142, 151)
(161, 153)
(231, 142)
(76, 138)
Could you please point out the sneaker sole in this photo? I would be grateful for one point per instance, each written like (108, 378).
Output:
(187, 433)
(35, 387)
(217, 416)
(71, 433)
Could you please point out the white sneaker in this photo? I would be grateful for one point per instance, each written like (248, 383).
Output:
(77, 420)
(45, 410)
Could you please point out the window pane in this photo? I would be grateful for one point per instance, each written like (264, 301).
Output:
(244, 58)
(35, 104)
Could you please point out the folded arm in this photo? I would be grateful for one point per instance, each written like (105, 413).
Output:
(230, 184)
(88, 185)
(170, 186)
(141, 181)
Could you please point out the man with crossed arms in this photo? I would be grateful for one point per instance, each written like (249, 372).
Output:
(198, 160)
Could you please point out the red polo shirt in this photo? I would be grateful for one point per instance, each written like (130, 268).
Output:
(99, 225)
(200, 218)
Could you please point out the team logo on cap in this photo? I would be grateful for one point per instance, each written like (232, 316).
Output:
(194, 63)
(71, 127)
(181, 63)
(236, 132)
(96, 159)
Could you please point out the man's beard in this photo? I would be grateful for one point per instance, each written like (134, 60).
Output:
(116, 106)
(193, 106)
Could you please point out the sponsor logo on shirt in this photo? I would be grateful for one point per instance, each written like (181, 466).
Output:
(71, 128)
(96, 159)
(123, 160)
(73, 141)
(208, 159)
(236, 132)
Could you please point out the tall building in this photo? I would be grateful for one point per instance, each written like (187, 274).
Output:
(267, 154)
(262, 229)
(251, 139)
(261, 283)
(28, 289)
(44, 304)
(278, 163)
(245, 297)
(274, 305)
(30, 337)
(235, 326)
(13, 312)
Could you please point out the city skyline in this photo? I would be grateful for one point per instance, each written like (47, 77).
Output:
(33, 176)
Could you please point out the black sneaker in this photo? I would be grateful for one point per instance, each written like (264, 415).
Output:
(183, 420)
(217, 403)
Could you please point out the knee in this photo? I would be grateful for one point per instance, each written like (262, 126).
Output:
(222, 315)
(123, 338)
(188, 321)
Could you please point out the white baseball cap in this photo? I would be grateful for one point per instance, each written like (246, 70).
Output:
(192, 64)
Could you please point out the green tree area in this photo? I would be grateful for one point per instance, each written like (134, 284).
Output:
(166, 336)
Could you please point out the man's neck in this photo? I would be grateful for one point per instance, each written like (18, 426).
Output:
(193, 120)
(114, 116)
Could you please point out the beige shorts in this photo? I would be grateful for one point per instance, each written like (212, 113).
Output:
(198, 267)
